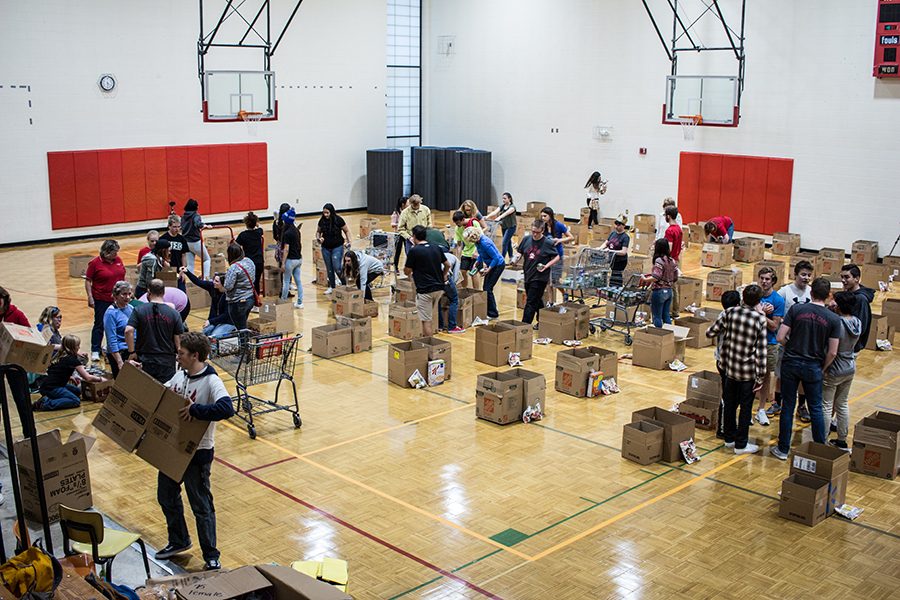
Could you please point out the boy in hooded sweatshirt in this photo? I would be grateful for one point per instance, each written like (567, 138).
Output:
(839, 377)
(206, 399)
(850, 275)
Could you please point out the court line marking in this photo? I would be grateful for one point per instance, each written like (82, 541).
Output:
(359, 530)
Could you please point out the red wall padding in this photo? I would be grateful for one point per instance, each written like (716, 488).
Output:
(99, 187)
(755, 191)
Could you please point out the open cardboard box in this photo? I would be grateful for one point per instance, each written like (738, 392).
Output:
(67, 478)
(285, 584)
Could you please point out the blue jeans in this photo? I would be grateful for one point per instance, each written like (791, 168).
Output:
(239, 311)
(661, 306)
(333, 259)
(731, 233)
(215, 331)
(67, 396)
(292, 269)
(196, 484)
(506, 248)
(490, 280)
(793, 373)
(453, 298)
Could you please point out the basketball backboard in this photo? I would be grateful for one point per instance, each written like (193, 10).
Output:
(714, 98)
(227, 93)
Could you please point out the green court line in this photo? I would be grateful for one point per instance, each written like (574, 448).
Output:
(439, 577)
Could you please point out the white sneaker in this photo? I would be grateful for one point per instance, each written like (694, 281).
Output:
(761, 417)
(748, 449)
(95, 356)
(328, 292)
(729, 444)
(298, 305)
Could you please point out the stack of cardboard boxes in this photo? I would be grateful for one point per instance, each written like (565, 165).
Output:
(676, 429)
(749, 249)
(346, 300)
(567, 321)
(876, 445)
(502, 397)
(360, 332)
(643, 234)
(829, 262)
(817, 483)
(701, 399)
(785, 244)
(720, 281)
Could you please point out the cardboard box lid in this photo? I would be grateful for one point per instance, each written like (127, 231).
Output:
(819, 460)
(681, 333)
(577, 358)
(654, 336)
(294, 585)
(642, 429)
(226, 586)
(48, 442)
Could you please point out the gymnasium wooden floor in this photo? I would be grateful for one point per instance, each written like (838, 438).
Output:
(425, 501)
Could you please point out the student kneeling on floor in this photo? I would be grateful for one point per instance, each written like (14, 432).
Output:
(207, 400)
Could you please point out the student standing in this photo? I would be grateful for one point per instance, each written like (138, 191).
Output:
(729, 299)
(595, 186)
(152, 263)
(673, 233)
(661, 280)
(177, 244)
(771, 306)
(152, 238)
(465, 249)
(560, 235)
(618, 242)
(114, 323)
(251, 241)
(206, 399)
(850, 275)
(839, 376)
(539, 254)
(793, 294)
(191, 226)
(291, 257)
(395, 226)
(493, 262)
(429, 269)
(101, 275)
(810, 334)
(331, 232)
(156, 325)
(662, 224)
(415, 213)
(743, 358)
(506, 214)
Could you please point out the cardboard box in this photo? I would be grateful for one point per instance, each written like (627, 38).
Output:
(216, 244)
(366, 226)
(533, 208)
(573, 366)
(637, 264)
(404, 359)
(478, 300)
(784, 243)
(584, 215)
(676, 429)
(697, 234)
(644, 223)
(168, 276)
(704, 385)
(824, 462)
(197, 296)
(439, 349)
(749, 249)
(96, 391)
(269, 256)
(879, 330)
(493, 344)
(330, 341)
(280, 312)
(642, 442)
(709, 313)
(254, 324)
(599, 234)
(810, 257)
(893, 265)
(534, 388)
(170, 442)
(653, 348)
(26, 347)
(524, 337)
(890, 309)
(369, 308)
(463, 311)
(609, 361)
(716, 255)
(269, 581)
(129, 406)
(271, 281)
(345, 300)
(682, 337)
(360, 332)
(642, 243)
(218, 263)
(878, 431)
(779, 268)
(686, 236)
(132, 272)
(803, 499)
(556, 323)
(864, 251)
(873, 273)
(582, 314)
(498, 397)
(403, 321)
(705, 413)
(875, 460)
(697, 327)
(78, 264)
(720, 281)
(688, 290)
(67, 477)
(321, 274)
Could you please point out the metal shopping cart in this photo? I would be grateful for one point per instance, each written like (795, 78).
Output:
(625, 301)
(382, 245)
(254, 360)
(590, 271)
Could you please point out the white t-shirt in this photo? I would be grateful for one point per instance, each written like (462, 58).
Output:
(204, 388)
(793, 295)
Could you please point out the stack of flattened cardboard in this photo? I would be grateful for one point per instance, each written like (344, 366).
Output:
(876, 445)
(817, 485)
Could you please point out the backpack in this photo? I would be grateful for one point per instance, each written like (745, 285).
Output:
(32, 574)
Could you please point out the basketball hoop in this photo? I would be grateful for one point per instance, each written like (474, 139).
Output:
(688, 123)
(251, 119)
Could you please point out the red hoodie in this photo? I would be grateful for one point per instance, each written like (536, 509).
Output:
(14, 315)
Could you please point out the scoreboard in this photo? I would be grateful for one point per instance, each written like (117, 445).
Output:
(887, 39)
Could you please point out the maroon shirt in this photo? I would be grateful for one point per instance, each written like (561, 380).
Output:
(722, 224)
(103, 276)
(675, 236)
(14, 315)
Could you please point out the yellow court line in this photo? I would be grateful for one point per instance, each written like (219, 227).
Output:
(386, 496)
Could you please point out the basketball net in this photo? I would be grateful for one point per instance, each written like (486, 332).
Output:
(252, 119)
(689, 124)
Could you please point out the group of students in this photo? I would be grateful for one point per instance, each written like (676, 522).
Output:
(804, 336)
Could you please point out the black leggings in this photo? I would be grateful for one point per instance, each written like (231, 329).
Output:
(398, 246)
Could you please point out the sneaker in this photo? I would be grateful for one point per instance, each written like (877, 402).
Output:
(171, 550)
(254, 309)
(748, 449)
(212, 564)
(298, 305)
(761, 417)
(774, 410)
(803, 414)
(729, 444)
(95, 357)
(778, 453)
(839, 444)
(457, 329)
(328, 292)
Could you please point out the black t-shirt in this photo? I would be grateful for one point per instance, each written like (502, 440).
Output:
(291, 237)
(811, 327)
(427, 264)
(177, 247)
(251, 240)
(617, 241)
(155, 324)
(536, 252)
(332, 235)
(58, 373)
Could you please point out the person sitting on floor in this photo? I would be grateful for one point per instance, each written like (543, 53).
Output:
(56, 391)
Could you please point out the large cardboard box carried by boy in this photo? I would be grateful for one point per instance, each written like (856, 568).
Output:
(642, 442)
(653, 348)
(573, 367)
(676, 429)
(169, 443)
(129, 406)
(67, 477)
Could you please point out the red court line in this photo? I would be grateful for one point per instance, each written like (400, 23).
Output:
(271, 464)
(362, 532)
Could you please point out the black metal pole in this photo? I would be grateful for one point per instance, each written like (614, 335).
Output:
(655, 26)
(727, 30)
(219, 24)
(286, 25)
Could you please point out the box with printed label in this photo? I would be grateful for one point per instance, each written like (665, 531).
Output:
(609, 361)
(345, 300)
(704, 385)
(271, 582)
(876, 445)
(720, 281)
(403, 321)
(404, 359)
(599, 234)
(26, 347)
(823, 462)
(829, 261)
(216, 244)
(776, 265)
(642, 243)
(642, 442)
(716, 255)
(573, 366)
(688, 291)
(439, 349)
(498, 397)
(676, 429)
(404, 290)
(330, 341)
(170, 442)
(556, 323)
(78, 264)
(705, 413)
(369, 308)
(493, 344)
(97, 391)
(697, 327)
(524, 337)
(128, 407)
(879, 329)
(360, 332)
(749, 249)
(864, 251)
(66, 475)
(697, 234)
(653, 348)
(799, 257)
(785, 243)
(804, 499)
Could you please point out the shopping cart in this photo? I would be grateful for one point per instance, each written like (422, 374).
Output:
(590, 271)
(382, 245)
(625, 301)
(254, 360)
